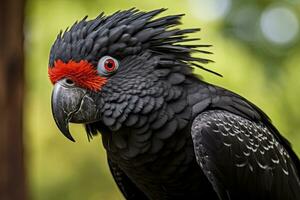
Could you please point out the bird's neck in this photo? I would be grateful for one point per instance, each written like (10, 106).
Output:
(164, 129)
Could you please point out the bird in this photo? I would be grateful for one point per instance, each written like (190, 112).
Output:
(168, 134)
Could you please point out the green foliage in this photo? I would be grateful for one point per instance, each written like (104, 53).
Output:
(58, 169)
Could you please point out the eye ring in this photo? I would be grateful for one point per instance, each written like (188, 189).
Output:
(107, 65)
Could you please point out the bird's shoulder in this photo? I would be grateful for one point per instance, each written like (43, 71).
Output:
(202, 96)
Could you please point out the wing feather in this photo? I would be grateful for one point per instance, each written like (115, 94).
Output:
(243, 159)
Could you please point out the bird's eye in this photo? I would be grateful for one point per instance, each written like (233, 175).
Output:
(107, 65)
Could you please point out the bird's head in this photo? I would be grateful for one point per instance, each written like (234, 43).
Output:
(108, 68)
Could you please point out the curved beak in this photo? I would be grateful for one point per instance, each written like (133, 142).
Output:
(71, 104)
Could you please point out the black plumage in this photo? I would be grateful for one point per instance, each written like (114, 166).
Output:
(167, 133)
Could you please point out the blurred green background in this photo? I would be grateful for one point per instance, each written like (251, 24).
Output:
(256, 48)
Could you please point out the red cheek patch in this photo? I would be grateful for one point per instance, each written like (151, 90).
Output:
(82, 73)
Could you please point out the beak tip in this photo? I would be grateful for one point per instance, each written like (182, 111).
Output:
(73, 140)
(70, 138)
(63, 126)
(65, 131)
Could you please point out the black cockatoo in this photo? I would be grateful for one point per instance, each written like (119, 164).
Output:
(167, 133)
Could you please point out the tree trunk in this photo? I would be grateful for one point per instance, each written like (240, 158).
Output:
(12, 171)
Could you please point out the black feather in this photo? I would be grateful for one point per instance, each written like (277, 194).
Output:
(126, 33)
(167, 133)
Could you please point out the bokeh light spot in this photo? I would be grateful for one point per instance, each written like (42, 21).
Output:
(210, 10)
(279, 25)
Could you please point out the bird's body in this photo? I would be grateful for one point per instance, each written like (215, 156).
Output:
(165, 167)
(167, 133)
(162, 160)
